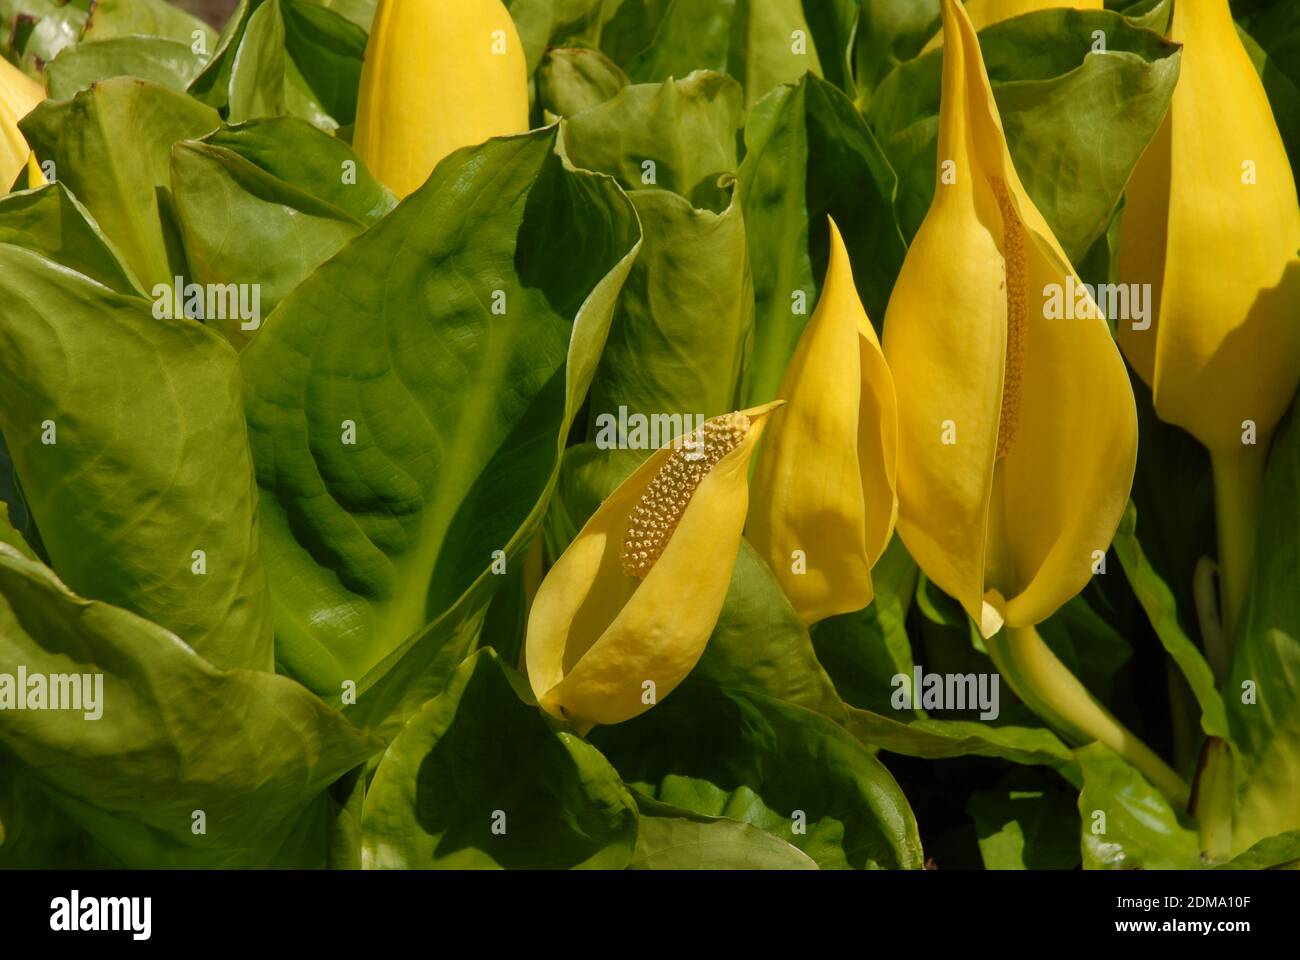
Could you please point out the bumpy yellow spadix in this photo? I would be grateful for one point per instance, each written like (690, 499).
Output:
(19, 95)
(438, 75)
(1017, 433)
(984, 13)
(1211, 222)
(823, 504)
(626, 612)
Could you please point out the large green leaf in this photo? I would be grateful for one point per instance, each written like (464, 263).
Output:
(790, 771)
(128, 437)
(111, 145)
(146, 18)
(50, 221)
(1127, 823)
(482, 778)
(810, 155)
(250, 751)
(244, 224)
(762, 43)
(279, 57)
(1262, 691)
(679, 338)
(456, 338)
(673, 838)
(1076, 121)
(679, 135)
(171, 63)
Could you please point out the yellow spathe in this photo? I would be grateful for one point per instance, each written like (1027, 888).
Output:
(438, 76)
(628, 608)
(1017, 433)
(1211, 222)
(19, 95)
(823, 504)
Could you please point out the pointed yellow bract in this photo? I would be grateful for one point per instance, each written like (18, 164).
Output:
(628, 608)
(1017, 433)
(823, 504)
(437, 76)
(1211, 222)
(19, 95)
(984, 13)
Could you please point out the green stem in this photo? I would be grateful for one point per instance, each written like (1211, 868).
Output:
(1211, 803)
(1238, 477)
(1055, 694)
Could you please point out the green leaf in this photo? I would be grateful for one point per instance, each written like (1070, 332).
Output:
(111, 146)
(170, 63)
(678, 341)
(771, 44)
(1058, 103)
(890, 32)
(672, 838)
(257, 74)
(1158, 602)
(1265, 716)
(285, 229)
(50, 221)
(762, 761)
(685, 129)
(940, 739)
(127, 434)
(481, 778)
(360, 12)
(1127, 823)
(864, 651)
(1026, 822)
(145, 18)
(457, 338)
(810, 155)
(550, 23)
(752, 40)
(1282, 850)
(303, 157)
(37, 835)
(326, 50)
(253, 751)
(571, 79)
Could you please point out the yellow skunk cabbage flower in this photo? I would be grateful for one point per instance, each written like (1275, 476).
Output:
(984, 13)
(438, 75)
(1212, 223)
(1017, 429)
(626, 611)
(19, 95)
(1017, 424)
(823, 504)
